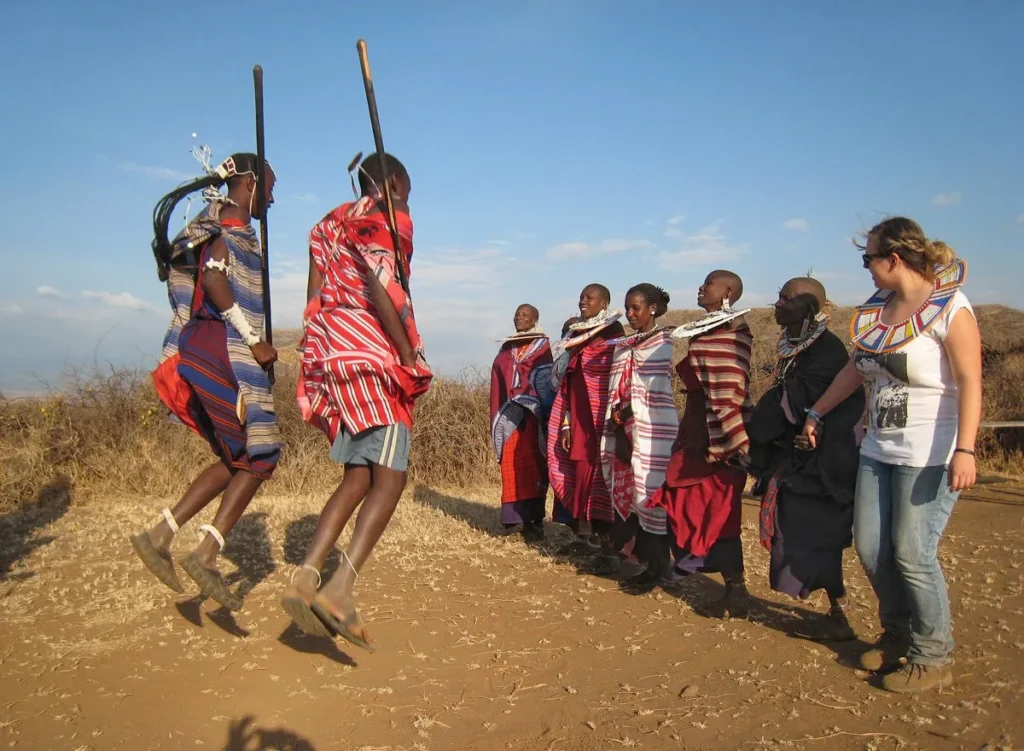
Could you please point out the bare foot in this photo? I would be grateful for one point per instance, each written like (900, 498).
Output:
(296, 601)
(338, 613)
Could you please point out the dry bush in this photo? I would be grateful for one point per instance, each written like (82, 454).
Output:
(106, 432)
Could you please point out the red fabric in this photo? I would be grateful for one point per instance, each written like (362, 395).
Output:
(350, 368)
(576, 476)
(523, 470)
(703, 513)
(512, 370)
(174, 391)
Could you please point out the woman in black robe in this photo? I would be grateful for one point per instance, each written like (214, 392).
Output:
(807, 494)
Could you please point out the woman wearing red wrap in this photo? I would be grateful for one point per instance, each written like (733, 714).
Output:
(704, 481)
(520, 402)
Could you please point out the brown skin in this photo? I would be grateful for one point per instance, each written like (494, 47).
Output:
(714, 291)
(377, 488)
(525, 318)
(238, 487)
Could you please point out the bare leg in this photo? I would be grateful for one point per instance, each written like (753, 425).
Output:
(339, 509)
(210, 483)
(237, 497)
(373, 519)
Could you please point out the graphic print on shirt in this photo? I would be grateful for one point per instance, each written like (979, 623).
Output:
(889, 388)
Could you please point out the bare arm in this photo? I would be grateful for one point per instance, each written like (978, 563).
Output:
(844, 384)
(390, 321)
(963, 347)
(315, 281)
(218, 290)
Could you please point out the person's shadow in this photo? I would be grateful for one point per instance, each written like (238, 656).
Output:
(248, 547)
(18, 528)
(245, 735)
(701, 593)
(476, 515)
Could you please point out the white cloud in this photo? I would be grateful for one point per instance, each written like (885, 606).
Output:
(676, 219)
(568, 250)
(797, 225)
(306, 198)
(1020, 219)
(617, 246)
(708, 247)
(147, 170)
(11, 309)
(48, 291)
(124, 300)
(947, 199)
(502, 243)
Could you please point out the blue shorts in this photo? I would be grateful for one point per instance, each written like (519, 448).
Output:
(385, 446)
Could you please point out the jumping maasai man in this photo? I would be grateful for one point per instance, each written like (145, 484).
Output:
(520, 401)
(362, 370)
(807, 502)
(578, 420)
(705, 477)
(212, 375)
(642, 413)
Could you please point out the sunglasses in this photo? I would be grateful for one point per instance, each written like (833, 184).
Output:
(867, 258)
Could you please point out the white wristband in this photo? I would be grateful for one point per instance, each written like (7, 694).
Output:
(236, 318)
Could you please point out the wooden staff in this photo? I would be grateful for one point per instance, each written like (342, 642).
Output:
(261, 208)
(378, 140)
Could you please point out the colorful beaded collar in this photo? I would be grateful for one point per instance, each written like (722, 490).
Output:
(871, 335)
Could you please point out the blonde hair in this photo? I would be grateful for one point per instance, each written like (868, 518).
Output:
(904, 237)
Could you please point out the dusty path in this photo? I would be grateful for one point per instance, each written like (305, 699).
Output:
(484, 644)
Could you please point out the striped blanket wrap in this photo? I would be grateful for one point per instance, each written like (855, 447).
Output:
(512, 395)
(642, 372)
(721, 361)
(595, 360)
(255, 405)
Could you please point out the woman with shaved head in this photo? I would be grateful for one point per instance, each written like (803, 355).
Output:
(807, 495)
(520, 401)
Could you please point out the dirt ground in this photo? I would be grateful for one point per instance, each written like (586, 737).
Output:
(483, 644)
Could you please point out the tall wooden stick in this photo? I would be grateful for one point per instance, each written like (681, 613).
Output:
(378, 141)
(261, 208)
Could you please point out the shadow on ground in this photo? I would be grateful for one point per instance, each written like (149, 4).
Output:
(18, 528)
(248, 547)
(297, 535)
(245, 735)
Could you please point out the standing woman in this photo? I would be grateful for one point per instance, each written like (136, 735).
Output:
(917, 342)
(643, 423)
(705, 477)
(583, 363)
(520, 401)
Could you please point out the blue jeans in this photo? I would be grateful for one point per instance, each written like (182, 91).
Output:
(899, 516)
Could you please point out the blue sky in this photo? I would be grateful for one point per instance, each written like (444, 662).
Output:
(551, 144)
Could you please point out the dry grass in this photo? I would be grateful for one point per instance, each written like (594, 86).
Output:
(105, 432)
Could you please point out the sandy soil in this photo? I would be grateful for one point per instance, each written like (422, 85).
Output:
(483, 644)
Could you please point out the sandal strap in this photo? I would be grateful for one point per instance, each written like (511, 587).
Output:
(214, 533)
(308, 567)
(169, 518)
(348, 560)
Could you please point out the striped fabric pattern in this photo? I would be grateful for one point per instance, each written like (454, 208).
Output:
(595, 358)
(255, 402)
(181, 282)
(350, 368)
(520, 383)
(645, 364)
(721, 360)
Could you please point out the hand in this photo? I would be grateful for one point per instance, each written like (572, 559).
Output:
(803, 443)
(265, 354)
(408, 359)
(810, 434)
(566, 441)
(963, 472)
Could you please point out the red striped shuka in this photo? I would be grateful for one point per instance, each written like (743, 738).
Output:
(351, 377)
(702, 491)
